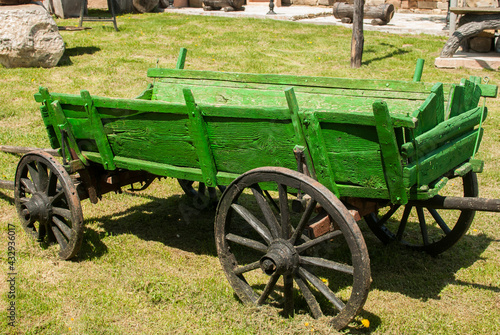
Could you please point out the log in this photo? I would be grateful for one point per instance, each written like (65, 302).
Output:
(469, 25)
(381, 14)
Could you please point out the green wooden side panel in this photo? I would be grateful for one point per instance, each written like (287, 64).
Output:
(354, 154)
(239, 145)
(442, 133)
(463, 98)
(442, 160)
(431, 112)
(154, 137)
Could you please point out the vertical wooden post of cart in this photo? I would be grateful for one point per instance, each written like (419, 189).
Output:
(391, 159)
(199, 135)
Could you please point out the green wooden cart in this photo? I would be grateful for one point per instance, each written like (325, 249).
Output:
(299, 160)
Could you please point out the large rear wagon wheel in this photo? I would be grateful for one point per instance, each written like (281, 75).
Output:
(425, 228)
(47, 203)
(271, 254)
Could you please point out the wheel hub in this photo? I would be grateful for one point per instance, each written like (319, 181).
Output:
(37, 208)
(281, 257)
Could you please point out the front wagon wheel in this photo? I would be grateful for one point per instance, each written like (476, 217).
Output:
(425, 228)
(47, 203)
(313, 260)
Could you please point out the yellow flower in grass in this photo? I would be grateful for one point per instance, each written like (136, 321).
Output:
(365, 323)
(325, 281)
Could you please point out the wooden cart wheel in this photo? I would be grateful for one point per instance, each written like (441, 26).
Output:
(426, 228)
(269, 253)
(47, 202)
(203, 196)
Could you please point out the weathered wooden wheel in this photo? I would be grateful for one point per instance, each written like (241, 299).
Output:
(423, 227)
(269, 252)
(203, 196)
(47, 202)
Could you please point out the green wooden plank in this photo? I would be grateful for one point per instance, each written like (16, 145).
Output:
(366, 84)
(316, 144)
(231, 96)
(246, 112)
(164, 86)
(391, 159)
(442, 160)
(362, 192)
(123, 106)
(164, 170)
(99, 134)
(488, 90)
(239, 145)
(442, 133)
(361, 118)
(200, 138)
(361, 168)
(155, 137)
(431, 112)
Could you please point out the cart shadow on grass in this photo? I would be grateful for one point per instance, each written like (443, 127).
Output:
(395, 268)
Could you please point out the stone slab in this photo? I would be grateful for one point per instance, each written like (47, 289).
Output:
(469, 60)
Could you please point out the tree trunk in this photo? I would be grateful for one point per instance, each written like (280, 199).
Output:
(469, 25)
(357, 34)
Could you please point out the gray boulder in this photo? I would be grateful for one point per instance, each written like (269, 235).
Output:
(29, 37)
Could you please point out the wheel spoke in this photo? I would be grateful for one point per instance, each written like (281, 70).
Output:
(43, 176)
(310, 299)
(316, 241)
(59, 237)
(388, 215)
(284, 211)
(325, 290)
(52, 183)
(439, 220)
(289, 299)
(28, 185)
(249, 267)
(266, 210)
(404, 221)
(56, 198)
(258, 226)
(246, 242)
(271, 200)
(65, 213)
(269, 288)
(62, 227)
(423, 226)
(324, 263)
(303, 221)
(34, 175)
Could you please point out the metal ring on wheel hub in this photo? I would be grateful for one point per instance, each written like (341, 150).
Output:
(281, 257)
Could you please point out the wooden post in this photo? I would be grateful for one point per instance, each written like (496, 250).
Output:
(357, 34)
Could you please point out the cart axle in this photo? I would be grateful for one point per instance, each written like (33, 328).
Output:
(461, 203)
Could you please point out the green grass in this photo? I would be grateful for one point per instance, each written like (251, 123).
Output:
(148, 267)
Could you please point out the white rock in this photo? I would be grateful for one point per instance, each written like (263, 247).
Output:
(29, 37)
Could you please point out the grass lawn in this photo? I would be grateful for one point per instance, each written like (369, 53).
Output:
(148, 262)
